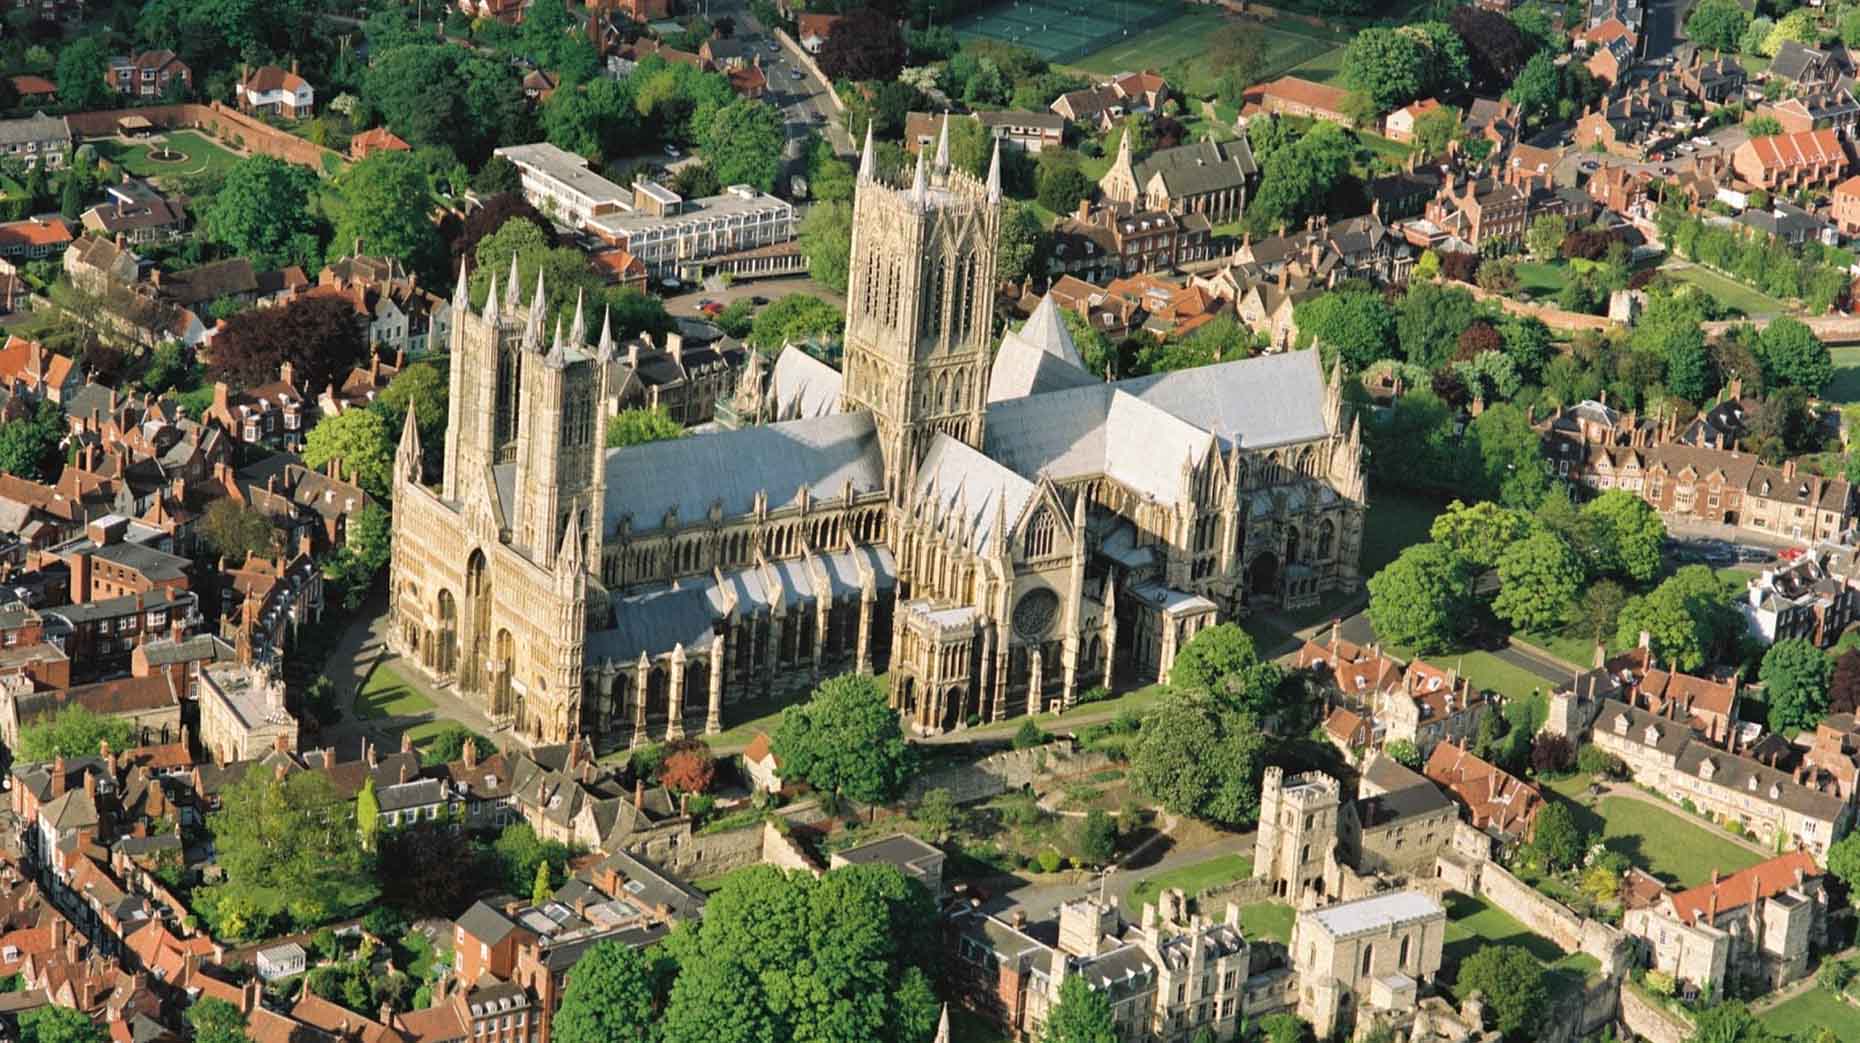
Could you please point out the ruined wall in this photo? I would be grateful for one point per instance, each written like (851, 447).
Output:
(1651, 1021)
(1009, 770)
(782, 852)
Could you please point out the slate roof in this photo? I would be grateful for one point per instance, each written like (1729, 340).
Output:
(823, 454)
(34, 128)
(1205, 166)
(1037, 358)
(1795, 59)
(801, 386)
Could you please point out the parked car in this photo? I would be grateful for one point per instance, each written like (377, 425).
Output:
(759, 301)
(673, 151)
(711, 308)
(1789, 553)
(1753, 554)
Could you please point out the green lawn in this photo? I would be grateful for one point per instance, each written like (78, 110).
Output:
(1811, 1011)
(1488, 671)
(1396, 520)
(1744, 298)
(1542, 280)
(1181, 39)
(1193, 880)
(1678, 848)
(1326, 67)
(1845, 387)
(202, 155)
(1270, 920)
(385, 694)
(1575, 649)
(1473, 924)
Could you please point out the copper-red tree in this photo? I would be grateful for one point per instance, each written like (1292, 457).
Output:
(320, 336)
(689, 767)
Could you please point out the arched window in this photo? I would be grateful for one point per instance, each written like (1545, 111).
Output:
(1369, 950)
(1327, 534)
(1403, 964)
(1040, 534)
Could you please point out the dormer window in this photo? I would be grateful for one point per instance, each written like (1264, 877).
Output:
(1775, 791)
(1752, 787)
(1708, 769)
(1621, 725)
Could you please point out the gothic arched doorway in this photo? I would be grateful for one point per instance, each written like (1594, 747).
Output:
(504, 663)
(478, 596)
(952, 709)
(446, 651)
(1263, 575)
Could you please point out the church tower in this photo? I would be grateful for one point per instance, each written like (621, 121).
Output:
(486, 381)
(561, 460)
(920, 304)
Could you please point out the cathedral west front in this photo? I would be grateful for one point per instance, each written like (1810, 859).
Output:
(978, 518)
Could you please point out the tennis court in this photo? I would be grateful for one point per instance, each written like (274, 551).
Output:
(1064, 30)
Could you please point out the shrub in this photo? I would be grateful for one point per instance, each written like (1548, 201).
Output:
(1596, 761)
(1028, 735)
(1660, 983)
(1835, 975)
(1094, 694)
(1050, 861)
(1686, 802)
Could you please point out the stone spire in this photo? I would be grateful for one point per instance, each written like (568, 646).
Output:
(578, 330)
(461, 294)
(490, 302)
(606, 348)
(920, 185)
(868, 162)
(942, 148)
(942, 1027)
(408, 457)
(533, 331)
(994, 174)
(510, 288)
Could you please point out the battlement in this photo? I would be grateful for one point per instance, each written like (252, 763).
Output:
(1312, 788)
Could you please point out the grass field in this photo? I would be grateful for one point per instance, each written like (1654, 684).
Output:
(1676, 847)
(1729, 291)
(385, 694)
(1270, 920)
(1473, 924)
(1182, 39)
(1057, 29)
(1326, 67)
(1489, 671)
(1542, 279)
(202, 154)
(1845, 387)
(1193, 880)
(1811, 1011)
(1396, 520)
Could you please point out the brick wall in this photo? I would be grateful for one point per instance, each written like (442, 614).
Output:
(231, 127)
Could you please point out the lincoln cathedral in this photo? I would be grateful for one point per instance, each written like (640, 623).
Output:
(988, 524)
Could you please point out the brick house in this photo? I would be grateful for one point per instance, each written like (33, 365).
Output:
(1787, 162)
(1292, 96)
(273, 91)
(1495, 801)
(1399, 125)
(1716, 82)
(34, 238)
(1847, 206)
(1761, 923)
(1620, 189)
(373, 140)
(1103, 242)
(1818, 108)
(147, 75)
(259, 414)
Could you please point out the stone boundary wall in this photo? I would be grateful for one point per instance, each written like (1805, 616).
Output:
(218, 121)
(709, 854)
(1651, 1021)
(799, 54)
(782, 852)
(1555, 318)
(1009, 770)
(1550, 918)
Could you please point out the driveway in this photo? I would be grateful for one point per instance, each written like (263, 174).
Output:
(1356, 629)
(1042, 900)
(686, 303)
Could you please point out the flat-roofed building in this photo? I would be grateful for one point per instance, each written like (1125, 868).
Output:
(1369, 956)
(242, 713)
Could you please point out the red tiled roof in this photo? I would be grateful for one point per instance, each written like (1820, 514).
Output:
(376, 139)
(31, 85)
(820, 25)
(35, 232)
(1307, 93)
(1849, 187)
(1493, 798)
(1801, 149)
(1608, 32)
(1742, 888)
(268, 78)
(758, 748)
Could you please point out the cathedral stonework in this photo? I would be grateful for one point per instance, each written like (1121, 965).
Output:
(988, 523)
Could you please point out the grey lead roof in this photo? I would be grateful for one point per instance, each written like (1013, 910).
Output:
(688, 475)
(1037, 358)
(802, 386)
(971, 491)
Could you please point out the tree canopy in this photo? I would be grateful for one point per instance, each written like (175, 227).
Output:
(1539, 581)
(1222, 661)
(845, 740)
(74, 731)
(1420, 598)
(1199, 757)
(387, 207)
(743, 144)
(361, 440)
(1082, 1015)
(1512, 980)
(611, 996)
(839, 959)
(439, 94)
(1795, 675)
(262, 211)
(286, 844)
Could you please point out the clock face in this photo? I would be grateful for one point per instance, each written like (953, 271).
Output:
(1035, 612)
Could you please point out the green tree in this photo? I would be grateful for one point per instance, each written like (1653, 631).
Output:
(29, 448)
(1792, 356)
(364, 444)
(1403, 753)
(541, 888)
(1555, 836)
(1430, 322)
(826, 240)
(368, 814)
(1222, 661)
(1539, 580)
(1480, 533)
(277, 845)
(74, 731)
(1544, 239)
(1627, 533)
(1285, 1028)
(610, 998)
(1386, 66)
(1717, 24)
(1358, 324)
(1512, 980)
(53, 1024)
(639, 426)
(387, 205)
(81, 63)
(1082, 1015)
(1795, 675)
(1599, 613)
(1509, 455)
(449, 745)
(1437, 130)
(1844, 860)
(794, 319)
(1022, 240)
(936, 811)
(1420, 598)
(1684, 617)
(1097, 839)
(1198, 757)
(1799, 25)
(262, 211)
(780, 956)
(236, 531)
(1298, 177)
(1059, 184)
(845, 740)
(743, 144)
(215, 1021)
(1537, 87)
(438, 94)
(1729, 1023)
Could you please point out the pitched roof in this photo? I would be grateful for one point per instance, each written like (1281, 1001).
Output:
(1744, 887)
(1493, 797)
(1804, 148)
(1305, 92)
(268, 78)
(1038, 357)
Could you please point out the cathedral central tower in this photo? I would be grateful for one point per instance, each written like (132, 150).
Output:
(920, 303)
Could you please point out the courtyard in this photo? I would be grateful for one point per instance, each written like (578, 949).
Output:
(1681, 849)
(197, 154)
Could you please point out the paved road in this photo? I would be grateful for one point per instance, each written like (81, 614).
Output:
(804, 99)
(774, 289)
